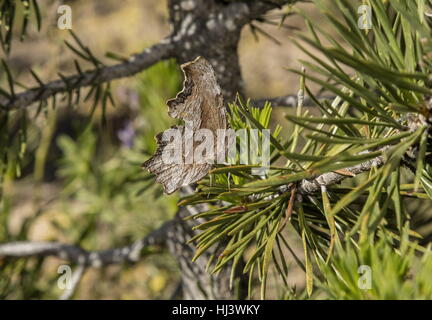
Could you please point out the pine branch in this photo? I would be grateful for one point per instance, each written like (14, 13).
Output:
(331, 178)
(135, 64)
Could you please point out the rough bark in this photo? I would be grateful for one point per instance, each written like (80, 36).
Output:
(210, 29)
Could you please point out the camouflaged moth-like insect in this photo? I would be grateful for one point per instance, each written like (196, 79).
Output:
(200, 105)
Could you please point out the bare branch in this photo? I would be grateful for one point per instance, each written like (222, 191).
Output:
(133, 65)
(76, 254)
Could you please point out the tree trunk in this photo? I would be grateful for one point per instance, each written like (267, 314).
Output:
(211, 29)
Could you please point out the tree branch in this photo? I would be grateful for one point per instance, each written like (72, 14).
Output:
(309, 186)
(258, 8)
(136, 63)
(76, 254)
(331, 178)
(243, 12)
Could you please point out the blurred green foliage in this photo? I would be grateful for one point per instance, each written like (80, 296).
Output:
(377, 271)
(104, 198)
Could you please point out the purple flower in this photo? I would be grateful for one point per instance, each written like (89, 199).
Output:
(127, 135)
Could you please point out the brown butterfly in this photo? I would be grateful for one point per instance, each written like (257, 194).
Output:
(200, 104)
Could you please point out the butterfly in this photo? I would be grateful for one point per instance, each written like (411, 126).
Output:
(201, 106)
